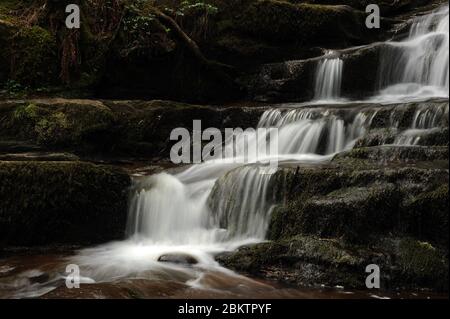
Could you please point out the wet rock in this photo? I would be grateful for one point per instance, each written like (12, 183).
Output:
(377, 137)
(178, 259)
(40, 279)
(439, 136)
(312, 261)
(127, 289)
(281, 81)
(362, 203)
(360, 72)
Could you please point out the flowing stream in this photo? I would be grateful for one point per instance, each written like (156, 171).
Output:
(418, 66)
(222, 204)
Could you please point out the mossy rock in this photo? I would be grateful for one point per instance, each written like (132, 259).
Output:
(360, 204)
(49, 203)
(437, 137)
(375, 137)
(426, 215)
(357, 214)
(422, 264)
(62, 124)
(306, 261)
(395, 153)
(125, 128)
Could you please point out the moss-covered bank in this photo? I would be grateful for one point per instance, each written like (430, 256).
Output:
(48, 203)
(110, 128)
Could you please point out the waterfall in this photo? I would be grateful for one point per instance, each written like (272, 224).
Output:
(315, 131)
(163, 209)
(221, 204)
(419, 65)
(328, 79)
(220, 200)
(426, 120)
(242, 201)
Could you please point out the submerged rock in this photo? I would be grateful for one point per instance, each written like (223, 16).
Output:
(178, 259)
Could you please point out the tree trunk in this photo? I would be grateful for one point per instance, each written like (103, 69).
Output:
(187, 41)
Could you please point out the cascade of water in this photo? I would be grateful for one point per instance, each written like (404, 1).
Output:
(418, 66)
(314, 130)
(174, 209)
(328, 79)
(241, 203)
(427, 119)
(219, 204)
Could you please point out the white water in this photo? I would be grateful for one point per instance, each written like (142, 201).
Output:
(418, 67)
(328, 79)
(426, 120)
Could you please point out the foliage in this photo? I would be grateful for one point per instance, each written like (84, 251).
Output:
(34, 52)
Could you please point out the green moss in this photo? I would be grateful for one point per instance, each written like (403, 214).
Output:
(125, 128)
(422, 263)
(26, 112)
(47, 203)
(64, 124)
(426, 215)
(33, 53)
(6, 6)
